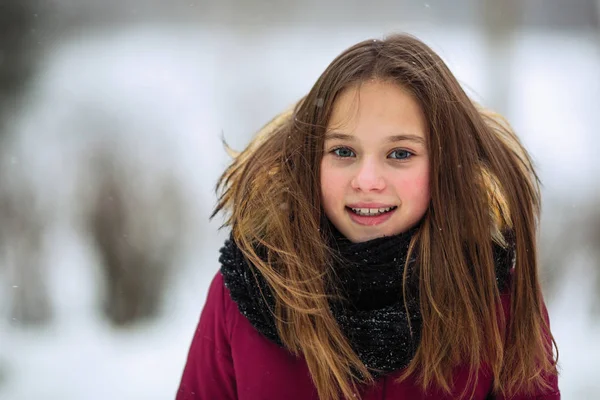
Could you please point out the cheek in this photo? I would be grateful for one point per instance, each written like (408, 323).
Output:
(414, 188)
(332, 186)
(421, 186)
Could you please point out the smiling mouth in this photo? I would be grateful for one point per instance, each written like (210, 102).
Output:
(371, 212)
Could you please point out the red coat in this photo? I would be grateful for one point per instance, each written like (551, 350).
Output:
(228, 359)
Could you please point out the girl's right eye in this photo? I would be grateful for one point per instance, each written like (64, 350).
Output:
(343, 152)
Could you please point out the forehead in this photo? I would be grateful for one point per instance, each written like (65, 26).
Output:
(376, 107)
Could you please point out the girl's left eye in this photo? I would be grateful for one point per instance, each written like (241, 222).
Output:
(400, 154)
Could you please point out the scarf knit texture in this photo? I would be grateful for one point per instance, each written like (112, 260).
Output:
(372, 312)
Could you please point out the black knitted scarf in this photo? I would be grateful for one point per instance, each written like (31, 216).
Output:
(372, 313)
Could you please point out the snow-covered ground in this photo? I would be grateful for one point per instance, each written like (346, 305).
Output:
(166, 95)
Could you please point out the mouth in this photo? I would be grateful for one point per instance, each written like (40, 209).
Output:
(371, 212)
(370, 216)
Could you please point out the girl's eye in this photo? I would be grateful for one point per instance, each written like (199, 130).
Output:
(400, 154)
(343, 152)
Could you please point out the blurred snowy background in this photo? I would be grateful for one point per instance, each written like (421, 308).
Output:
(111, 115)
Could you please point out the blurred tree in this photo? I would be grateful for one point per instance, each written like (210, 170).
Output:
(499, 22)
(20, 230)
(570, 244)
(593, 247)
(137, 235)
(137, 229)
(17, 44)
(558, 15)
(566, 230)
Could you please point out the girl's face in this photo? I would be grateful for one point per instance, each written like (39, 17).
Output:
(375, 168)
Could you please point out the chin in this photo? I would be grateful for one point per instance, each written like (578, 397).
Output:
(365, 237)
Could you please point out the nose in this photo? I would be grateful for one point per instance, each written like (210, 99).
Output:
(368, 177)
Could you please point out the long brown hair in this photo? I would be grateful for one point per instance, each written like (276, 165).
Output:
(482, 184)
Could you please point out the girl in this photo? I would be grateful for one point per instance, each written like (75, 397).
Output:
(383, 246)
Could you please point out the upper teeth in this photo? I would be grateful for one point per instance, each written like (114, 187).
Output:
(371, 211)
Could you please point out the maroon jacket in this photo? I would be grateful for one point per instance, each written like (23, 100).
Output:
(228, 359)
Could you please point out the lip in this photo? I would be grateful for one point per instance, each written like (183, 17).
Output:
(370, 205)
(370, 220)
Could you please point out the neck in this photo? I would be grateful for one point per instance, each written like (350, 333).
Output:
(370, 274)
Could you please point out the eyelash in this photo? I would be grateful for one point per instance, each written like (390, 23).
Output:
(336, 149)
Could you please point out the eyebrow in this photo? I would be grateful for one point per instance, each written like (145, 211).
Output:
(389, 139)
